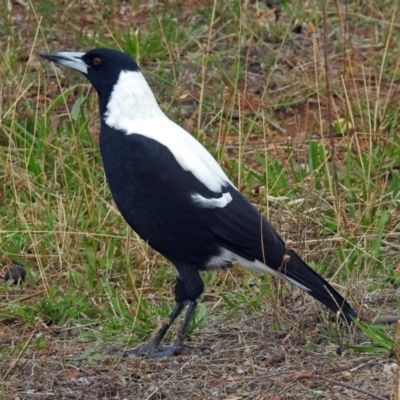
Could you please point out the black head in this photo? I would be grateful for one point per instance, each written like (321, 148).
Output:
(101, 66)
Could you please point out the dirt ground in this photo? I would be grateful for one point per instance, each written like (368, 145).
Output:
(250, 360)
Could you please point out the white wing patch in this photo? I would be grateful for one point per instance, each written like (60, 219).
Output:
(221, 202)
(133, 109)
(227, 256)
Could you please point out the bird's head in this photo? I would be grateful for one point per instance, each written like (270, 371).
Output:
(101, 66)
(123, 91)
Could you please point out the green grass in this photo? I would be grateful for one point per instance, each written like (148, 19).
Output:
(57, 219)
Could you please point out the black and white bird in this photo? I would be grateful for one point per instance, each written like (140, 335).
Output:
(174, 194)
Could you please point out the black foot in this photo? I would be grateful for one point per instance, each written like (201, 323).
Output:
(153, 351)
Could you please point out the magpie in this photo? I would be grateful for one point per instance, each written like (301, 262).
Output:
(176, 197)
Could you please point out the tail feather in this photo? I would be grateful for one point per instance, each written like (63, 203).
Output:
(300, 273)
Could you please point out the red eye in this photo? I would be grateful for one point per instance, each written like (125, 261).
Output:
(96, 61)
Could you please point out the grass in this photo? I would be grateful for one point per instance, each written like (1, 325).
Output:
(328, 179)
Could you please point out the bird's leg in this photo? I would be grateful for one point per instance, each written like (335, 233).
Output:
(153, 350)
(179, 342)
(153, 346)
(188, 288)
(165, 326)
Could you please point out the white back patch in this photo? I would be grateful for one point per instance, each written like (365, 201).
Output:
(133, 109)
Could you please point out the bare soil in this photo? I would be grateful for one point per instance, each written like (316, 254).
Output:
(281, 354)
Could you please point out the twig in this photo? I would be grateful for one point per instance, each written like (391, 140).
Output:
(274, 125)
(385, 319)
(329, 106)
(31, 296)
(367, 364)
(335, 382)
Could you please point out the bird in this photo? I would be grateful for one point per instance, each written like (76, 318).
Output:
(176, 197)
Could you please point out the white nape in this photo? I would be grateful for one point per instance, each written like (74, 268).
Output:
(131, 100)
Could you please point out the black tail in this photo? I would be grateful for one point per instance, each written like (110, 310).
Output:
(307, 279)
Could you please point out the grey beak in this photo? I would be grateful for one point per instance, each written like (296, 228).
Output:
(68, 59)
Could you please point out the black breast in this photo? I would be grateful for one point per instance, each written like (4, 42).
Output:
(153, 193)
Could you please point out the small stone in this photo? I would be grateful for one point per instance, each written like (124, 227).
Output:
(390, 369)
(15, 273)
(394, 367)
(347, 376)
(143, 364)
